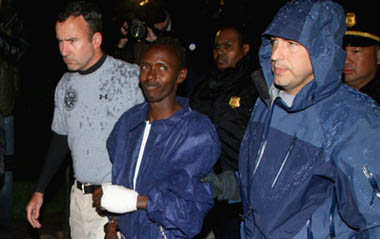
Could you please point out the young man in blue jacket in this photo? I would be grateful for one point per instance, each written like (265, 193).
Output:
(160, 150)
(309, 160)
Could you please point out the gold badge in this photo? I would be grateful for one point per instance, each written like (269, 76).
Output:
(234, 102)
(350, 19)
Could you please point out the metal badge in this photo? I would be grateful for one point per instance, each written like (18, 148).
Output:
(350, 19)
(234, 102)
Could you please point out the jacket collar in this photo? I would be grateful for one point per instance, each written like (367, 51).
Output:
(141, 111)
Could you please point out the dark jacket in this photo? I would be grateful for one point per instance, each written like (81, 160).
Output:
(179, 152)
(227, 98)
(13, 43)
(373, 88)
(303, 167)
(2, 148)
(13, 48)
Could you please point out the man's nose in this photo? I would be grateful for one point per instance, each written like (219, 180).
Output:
(152, 74)
(276, 52)
(348, 57)
(64, 49)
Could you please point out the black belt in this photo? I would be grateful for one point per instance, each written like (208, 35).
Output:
(87, 188)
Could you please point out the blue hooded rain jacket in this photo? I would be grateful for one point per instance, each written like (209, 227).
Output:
(179, 152)
(310, 170)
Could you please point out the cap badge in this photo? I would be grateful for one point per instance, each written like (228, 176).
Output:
(350, 19)
(234, 102)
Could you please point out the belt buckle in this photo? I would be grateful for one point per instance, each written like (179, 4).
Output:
(83, 187)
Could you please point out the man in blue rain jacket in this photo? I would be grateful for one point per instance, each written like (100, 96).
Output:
(160, 150)
(310, 158)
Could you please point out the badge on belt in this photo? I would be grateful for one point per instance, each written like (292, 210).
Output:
(234, 102)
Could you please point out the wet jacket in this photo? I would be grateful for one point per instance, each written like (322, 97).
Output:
(302, 166)
(179, 151)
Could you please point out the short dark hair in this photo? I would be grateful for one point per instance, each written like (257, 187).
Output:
(89, 10)
(174, 43)
(240, 29)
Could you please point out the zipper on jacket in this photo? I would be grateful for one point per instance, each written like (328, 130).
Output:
(141, 152)
(291, 146)
(260, 153)
(309, 232)
(331, 216)
(163, 234)
(264, 138)
(372, 181)
(257, 161)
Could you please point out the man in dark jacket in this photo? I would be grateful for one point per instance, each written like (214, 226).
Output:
(362, 46)
(309, 160)
(227, 98)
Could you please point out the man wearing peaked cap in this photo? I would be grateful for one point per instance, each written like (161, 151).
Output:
(362, 46)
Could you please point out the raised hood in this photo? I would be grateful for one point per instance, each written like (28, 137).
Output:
(319, 26)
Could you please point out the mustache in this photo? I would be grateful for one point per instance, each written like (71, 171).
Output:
(220, 57)
(150, 83)
(66, 58)
(278, 65)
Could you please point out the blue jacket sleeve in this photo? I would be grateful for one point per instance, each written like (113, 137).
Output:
(183, 202)
(354, 151)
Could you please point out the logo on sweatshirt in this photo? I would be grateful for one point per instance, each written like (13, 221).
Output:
(71, 98)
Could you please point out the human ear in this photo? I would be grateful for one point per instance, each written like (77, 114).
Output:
(97, 39)
(246, 48)
(378, 55)
(181, 75)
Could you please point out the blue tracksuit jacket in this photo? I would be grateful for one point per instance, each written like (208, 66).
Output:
(179, 152)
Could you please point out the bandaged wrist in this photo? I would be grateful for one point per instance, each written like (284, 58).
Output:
(118, 199)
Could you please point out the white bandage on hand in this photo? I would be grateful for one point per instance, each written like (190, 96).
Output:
(118, 199)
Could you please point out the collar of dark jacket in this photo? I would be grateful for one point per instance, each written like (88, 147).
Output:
(231, 76)
(260, 83)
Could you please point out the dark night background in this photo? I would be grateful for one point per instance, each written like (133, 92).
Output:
(43, 67)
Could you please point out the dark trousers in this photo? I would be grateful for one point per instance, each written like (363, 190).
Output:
(224, 220)
(6, 203)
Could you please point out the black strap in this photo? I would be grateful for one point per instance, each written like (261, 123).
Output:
(87, 188)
